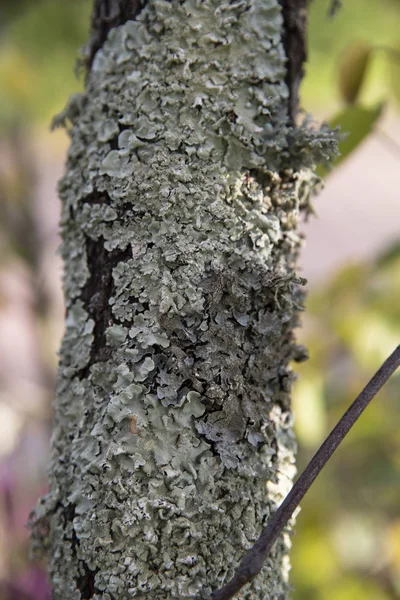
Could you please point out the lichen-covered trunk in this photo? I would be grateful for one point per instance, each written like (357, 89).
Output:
(185, 181)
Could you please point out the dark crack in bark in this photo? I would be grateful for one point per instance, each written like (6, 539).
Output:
(84, 583)
(106, 15)
(99, 288)
(294, 14)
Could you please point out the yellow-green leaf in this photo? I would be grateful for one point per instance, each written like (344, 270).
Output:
(394, 65)
(352, 70)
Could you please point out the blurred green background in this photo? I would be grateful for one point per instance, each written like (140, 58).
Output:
(347, 541)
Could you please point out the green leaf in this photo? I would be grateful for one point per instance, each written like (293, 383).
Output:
(352, 70)
(389, 256)
(356, 123)
(394, 69)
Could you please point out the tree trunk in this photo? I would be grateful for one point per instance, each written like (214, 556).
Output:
(186, 177)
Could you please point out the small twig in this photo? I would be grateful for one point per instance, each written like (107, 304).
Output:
(254, 559)
(335, 6)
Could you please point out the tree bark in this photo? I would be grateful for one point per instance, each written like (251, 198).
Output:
(185, 181)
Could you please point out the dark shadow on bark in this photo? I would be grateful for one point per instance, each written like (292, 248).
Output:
(294, 14)
(100, 285)
(106, 15)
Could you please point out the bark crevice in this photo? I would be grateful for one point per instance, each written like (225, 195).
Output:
(106, 15)
(85, 583)
(294, 14)
(100, 286)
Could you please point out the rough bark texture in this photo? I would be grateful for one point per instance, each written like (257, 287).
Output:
(185, 181)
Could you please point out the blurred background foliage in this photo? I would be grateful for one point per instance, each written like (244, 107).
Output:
(39, 40)
(347, 544)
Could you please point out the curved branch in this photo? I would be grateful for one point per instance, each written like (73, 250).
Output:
(254, 559)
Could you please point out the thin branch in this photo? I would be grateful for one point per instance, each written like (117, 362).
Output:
(335, 6)
(254, 559)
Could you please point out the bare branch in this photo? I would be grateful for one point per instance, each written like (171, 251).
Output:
(254, 559)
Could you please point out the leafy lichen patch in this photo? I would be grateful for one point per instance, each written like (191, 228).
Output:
(173, 405)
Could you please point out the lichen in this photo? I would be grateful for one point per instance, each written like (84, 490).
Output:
(181, 200)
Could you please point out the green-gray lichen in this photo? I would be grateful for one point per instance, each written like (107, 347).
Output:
(181, 202)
